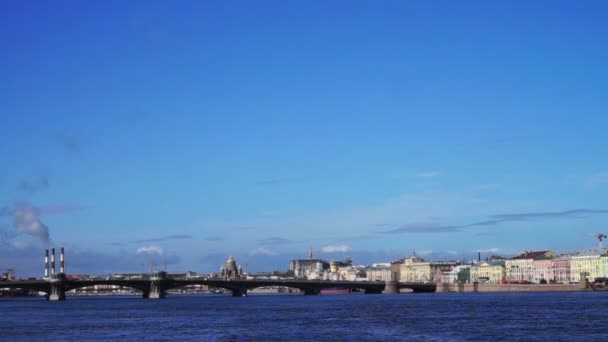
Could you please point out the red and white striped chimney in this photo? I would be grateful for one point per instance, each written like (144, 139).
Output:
(52, 261)
(46, 263)
(62, 262)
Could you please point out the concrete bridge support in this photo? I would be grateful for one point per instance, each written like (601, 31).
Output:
(391, 287)
(57, 290)
(372, 291)
(312, 292)
(239, 292)
(158, 286)
(158, 289)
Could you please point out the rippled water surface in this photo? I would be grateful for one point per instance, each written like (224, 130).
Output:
(352, 317)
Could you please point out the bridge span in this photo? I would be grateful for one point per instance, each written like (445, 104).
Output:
(158, 285)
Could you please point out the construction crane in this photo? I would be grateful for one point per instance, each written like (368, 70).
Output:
(600, 237)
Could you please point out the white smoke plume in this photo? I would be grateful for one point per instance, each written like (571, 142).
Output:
(26, 220)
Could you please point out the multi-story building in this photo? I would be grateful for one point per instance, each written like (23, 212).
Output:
(396, 269)
(543, 272)
(491, 271)
(521, 268)
(561, 269)
(458, 274)
(604, 266)
(305, 267)
(416, 269)
(585, 264)
(379, 273)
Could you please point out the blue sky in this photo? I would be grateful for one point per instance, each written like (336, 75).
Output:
(137, 132)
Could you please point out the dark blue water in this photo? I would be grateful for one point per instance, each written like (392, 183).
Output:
(353, 317)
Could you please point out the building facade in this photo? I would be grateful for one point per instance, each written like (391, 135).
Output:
(585, 264)
(521, 268)
(543, 271)
(561, 269)
(415, 269)
(231, 270)
(379, 273)
(488, 272)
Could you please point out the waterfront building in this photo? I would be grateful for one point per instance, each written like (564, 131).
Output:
(303, 268)
(416, 269)
(405, 269)
(231, 270)
(347, 273)
(396, 269)
(604, 266)
(585, 264)
(543, 272)
(459, 274)
(521, 268)
(379, 273)
(490, 271)
(561, 269)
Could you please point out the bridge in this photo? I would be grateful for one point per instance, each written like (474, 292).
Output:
(158, 284)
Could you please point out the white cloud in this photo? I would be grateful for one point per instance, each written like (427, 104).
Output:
(424, 252)
(335, 249)
(262, 251)
(597, 180)
(150, 250)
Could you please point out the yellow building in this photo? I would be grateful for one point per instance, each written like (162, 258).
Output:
(415, 269)
(586, 263)
(604, 265)
(489, 272)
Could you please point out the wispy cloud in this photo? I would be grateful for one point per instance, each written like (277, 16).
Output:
(423, 228)
(335, 249)
(164, 238)
(150, 250)
(274, 241)
(597, 180)
(489, 250)
(262, 251)
(493, 220)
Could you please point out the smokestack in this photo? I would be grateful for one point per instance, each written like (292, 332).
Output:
(46, 263)
(62, 262)
(52, 261)
(479, 256)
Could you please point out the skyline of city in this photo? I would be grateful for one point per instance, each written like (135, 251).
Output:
(189, 134)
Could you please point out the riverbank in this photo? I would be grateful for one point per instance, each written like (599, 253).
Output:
(476, 287)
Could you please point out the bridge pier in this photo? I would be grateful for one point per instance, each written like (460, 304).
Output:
(57, 287)
(312, 292)
(391, 287)
(372, 291)
(157, 290)
(239, 292)
(158, 286)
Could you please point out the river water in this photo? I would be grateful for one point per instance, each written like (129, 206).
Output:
(553, 316)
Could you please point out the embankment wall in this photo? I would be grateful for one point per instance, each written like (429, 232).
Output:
(445, 287)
